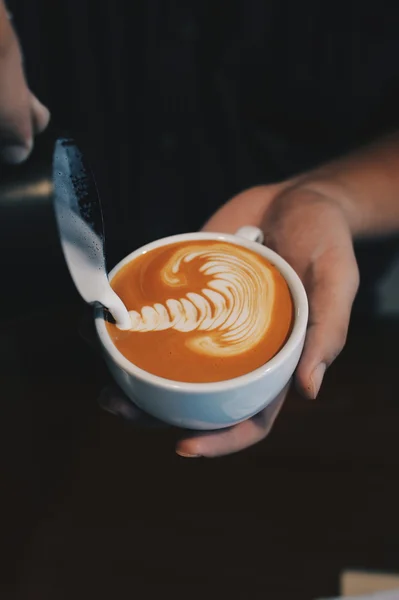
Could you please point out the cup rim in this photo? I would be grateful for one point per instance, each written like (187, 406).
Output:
(295, 338)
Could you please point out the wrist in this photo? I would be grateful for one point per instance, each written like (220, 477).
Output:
(335, 191)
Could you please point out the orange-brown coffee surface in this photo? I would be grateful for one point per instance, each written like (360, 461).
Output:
(202, 311)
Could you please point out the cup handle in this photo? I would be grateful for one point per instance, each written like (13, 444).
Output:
(253, 234)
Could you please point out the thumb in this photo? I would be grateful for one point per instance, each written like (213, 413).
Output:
(332, 285)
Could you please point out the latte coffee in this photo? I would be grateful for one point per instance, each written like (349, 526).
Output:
(202, 311)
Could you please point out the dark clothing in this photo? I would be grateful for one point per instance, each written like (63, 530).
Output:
(184, 103)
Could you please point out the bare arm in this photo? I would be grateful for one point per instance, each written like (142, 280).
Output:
(366, 186)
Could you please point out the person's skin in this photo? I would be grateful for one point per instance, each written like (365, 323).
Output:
(22, 115)
(310, 221)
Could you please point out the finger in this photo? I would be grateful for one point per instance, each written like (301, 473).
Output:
(16, 137)
(21, 113)
(333, 285)
(234, 439)
(113, 400)
(19, 124)
(40, 115)
(16, 133)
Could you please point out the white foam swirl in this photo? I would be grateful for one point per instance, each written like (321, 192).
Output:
(231, 314)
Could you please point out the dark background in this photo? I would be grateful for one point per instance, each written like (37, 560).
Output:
(179, 105)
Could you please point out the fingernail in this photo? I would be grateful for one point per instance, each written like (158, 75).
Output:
(187, 455)
(317, 378)
(16, 153)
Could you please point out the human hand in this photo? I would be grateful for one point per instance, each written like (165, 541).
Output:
(311, 231)
(195, 444)
(22, 115)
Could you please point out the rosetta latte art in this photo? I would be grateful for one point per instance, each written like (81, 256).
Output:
(230, 315)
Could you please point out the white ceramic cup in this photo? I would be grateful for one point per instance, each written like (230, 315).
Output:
(224, 403)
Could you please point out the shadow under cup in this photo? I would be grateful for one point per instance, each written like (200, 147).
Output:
(216, 405)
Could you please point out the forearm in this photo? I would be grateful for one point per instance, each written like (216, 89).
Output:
(366, 185)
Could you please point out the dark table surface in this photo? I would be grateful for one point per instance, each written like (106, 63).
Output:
(93, 508)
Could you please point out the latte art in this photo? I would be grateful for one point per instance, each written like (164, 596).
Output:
(231, 314)
(202, 311)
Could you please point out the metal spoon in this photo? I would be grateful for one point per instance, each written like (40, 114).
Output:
(80, 224)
